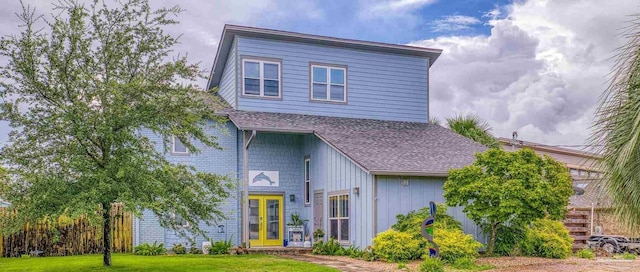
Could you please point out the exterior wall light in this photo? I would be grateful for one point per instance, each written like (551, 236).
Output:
(292, 198)
(356, 191)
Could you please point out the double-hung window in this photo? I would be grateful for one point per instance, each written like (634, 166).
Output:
(261, 78)
(339, 217)
(307, 181)
(328, 83)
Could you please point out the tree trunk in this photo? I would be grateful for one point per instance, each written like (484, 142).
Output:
(106, 234)
(492, 238)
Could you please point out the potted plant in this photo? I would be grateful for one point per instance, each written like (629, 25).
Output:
(318, 234)
(307, 241)
(296, 230)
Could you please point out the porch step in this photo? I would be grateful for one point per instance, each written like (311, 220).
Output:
(280, 250)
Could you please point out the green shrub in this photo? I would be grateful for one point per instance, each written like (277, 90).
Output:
(507, 237)
(194, 250)
(331, 248)
(318, 248)
(179, 249)
(431, 265)
(220, 247)
(586, 253)
(455, 244)
(149, 250)
(625, 256)
(395, 246)
(546, 238)
(368, 254)
(353, 252)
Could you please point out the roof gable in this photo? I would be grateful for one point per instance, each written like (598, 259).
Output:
(230, 31)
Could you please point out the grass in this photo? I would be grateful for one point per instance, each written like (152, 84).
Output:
(625, 256)
(126, 262)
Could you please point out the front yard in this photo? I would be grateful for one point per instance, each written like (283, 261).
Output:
(125, 262)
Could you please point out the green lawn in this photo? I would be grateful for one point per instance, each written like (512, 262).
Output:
(125, 262)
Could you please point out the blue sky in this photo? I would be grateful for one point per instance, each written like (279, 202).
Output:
(532, 66)
(427, 19)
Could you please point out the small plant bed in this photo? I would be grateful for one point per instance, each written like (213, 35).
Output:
(126, 262)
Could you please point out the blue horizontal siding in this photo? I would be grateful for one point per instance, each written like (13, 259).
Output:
(227, 88)
(211, 160)
(379, 86)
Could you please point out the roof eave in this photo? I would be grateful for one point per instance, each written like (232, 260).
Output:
(230, 31)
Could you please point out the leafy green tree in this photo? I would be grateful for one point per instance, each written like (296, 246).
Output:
(80, 93)
(472, 127)
(509, 188)
(617, 130)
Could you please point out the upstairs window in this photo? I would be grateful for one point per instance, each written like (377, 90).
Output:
(177, 147)
(261, 78)
(328, 83)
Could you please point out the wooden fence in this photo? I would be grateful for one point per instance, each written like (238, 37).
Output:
(74, 237)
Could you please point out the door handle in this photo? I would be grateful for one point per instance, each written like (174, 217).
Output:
(260, 222)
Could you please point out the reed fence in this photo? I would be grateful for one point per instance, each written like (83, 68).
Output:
(70, 237)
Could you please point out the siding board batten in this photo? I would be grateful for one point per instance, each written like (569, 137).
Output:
(424, 189)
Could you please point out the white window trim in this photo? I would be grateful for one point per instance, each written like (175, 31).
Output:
(185, 225)
(261, 79)
(173, 147)
(307, 182)
(328, 83)
(329, 218)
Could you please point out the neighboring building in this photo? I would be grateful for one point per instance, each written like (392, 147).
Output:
(582, 166)
(590, 209)
(335, 130)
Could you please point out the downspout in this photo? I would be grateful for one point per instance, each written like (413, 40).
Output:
(245, 185)
(375, 205)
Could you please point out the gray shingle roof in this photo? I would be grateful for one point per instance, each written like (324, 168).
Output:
(381, 147)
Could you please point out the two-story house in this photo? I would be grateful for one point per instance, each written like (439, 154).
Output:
(332, 129)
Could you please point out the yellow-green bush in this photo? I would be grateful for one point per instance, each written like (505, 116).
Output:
(395, 246)
(586, 253)
(455, 244)
(411, 222)
(546, 238)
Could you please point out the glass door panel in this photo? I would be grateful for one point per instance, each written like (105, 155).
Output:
(273, 219)
(254, 219)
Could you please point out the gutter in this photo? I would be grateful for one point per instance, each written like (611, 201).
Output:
(408, 173)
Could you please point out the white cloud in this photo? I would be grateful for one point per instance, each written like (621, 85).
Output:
(390, 8)
(454, 23)
(540, 71)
